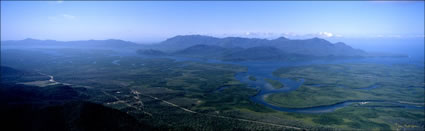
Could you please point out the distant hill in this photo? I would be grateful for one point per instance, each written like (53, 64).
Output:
(34, 43)
(151, 52)
(11, 75)
(182, 42)
(257, 53)
(317, 47)
(203, 51)
(229, 48)
(237, 48)
(308, 47)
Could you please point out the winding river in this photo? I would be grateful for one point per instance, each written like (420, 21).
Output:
(262, 70)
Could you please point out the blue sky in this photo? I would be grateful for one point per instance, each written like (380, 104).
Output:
(141, 21)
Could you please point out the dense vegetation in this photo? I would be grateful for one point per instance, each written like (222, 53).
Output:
(338, 83)
(330, 84)
(144, 88)
(162, 94)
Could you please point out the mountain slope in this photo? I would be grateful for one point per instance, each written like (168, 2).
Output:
(257, 53)
(182, 42)
(11, 75)
(203, 50)
(151, 52)
(56, 107)
(309, 47)
(317, 47)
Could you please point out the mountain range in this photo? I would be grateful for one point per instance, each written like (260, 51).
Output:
(229, 48)
(239, 49)
(312, 47)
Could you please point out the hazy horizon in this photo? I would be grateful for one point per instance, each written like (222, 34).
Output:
(148, 21)
(374, 26)
(413, 46)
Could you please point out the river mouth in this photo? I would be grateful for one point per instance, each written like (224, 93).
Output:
(264, 70)
(265, 89)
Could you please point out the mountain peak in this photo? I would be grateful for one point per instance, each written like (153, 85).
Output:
(282, 38)
(190, 36)
(319, 40)
(316, 38)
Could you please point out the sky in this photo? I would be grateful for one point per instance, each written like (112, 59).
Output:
(149, 21)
